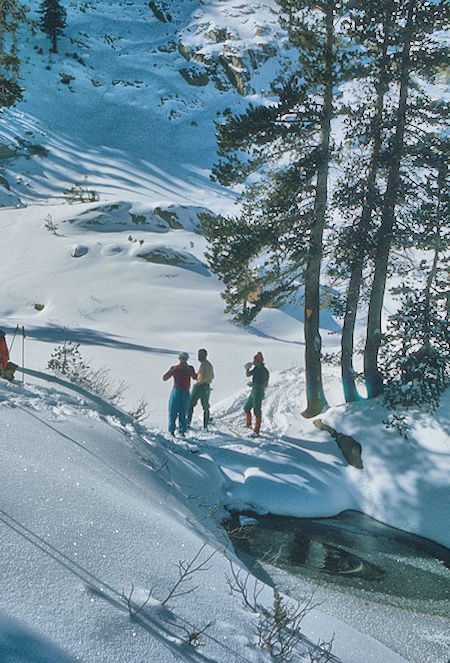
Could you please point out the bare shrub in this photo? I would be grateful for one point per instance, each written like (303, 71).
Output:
(185, 572)
(140, 412)
(321, 653)
(81, 193)
(132, 608)
(278, 627)
(100, 382)
(66, 360)
(238, 584)
(192, 635)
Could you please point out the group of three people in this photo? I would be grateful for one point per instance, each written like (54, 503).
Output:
(182, 402)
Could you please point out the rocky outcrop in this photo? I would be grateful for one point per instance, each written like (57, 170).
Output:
(160, 10)
(195, 74)
(228, 66)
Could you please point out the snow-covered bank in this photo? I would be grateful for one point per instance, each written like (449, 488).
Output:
(94, 505)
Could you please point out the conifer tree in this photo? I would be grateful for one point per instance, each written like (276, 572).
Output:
(418, 51)
(12, 14)
(370, 25)
(383, 117)
(281, 152)
(53, 20)
(416, 355)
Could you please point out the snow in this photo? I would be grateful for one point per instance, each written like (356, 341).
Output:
(95, 506)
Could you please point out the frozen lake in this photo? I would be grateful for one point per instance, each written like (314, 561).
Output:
(380, 580)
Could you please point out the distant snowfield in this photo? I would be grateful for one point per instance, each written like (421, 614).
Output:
(92, 502)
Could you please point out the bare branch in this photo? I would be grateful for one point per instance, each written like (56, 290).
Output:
(192, 636)
(239, 587)
(185, 571)
(132, 609)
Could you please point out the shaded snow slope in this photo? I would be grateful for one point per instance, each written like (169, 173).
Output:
(113, 104)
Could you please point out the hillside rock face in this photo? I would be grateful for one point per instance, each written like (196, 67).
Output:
(226, 53)
(229, 64)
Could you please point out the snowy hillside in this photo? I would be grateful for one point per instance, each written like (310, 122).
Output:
(118, 104)
(95, 505)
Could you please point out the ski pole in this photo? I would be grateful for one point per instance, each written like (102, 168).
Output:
(23, 355)
(14, 336)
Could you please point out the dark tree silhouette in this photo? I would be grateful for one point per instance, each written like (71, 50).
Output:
(53, 20)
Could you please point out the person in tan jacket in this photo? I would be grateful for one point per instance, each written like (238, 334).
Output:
(202, 388)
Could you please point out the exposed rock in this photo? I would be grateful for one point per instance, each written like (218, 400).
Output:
(4, 182)
(79, 251)
(235, 77)
(230, 67)
(195, 75)
(66, 78)
(169, 47)
(160, 10)
(219, 35)
(138, 219)
(169, 217)
(6, 152)
(168, 256)
(185, 51)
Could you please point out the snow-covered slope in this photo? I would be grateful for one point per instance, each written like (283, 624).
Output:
(92, 502)
(96, 509)
(117, 103)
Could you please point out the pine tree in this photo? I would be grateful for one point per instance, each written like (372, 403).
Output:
(53, 20)
(357, 195)
(418, 51)
(416, 356)
(376, 199)
(281, 152)
(12, 15)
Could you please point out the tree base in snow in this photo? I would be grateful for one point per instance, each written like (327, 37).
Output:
(313, 410)
(350, 448)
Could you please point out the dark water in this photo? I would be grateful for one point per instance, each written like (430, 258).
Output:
(351, 550)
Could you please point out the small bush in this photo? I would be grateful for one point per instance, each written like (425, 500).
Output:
(278, 627)
(140, 413)
(50, 226)
(67, 361)
(81, 193)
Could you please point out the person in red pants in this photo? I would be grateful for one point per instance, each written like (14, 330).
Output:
(4, 352)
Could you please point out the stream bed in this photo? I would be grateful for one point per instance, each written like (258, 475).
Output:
(384, 582)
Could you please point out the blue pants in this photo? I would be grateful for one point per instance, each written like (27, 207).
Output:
(178, 407)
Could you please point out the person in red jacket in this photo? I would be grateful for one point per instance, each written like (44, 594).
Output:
(4, 352)
(180, 394)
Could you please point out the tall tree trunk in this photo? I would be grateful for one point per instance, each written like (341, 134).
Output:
(372, 375)
(315, 397)
(356, 269)
(441, 181)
